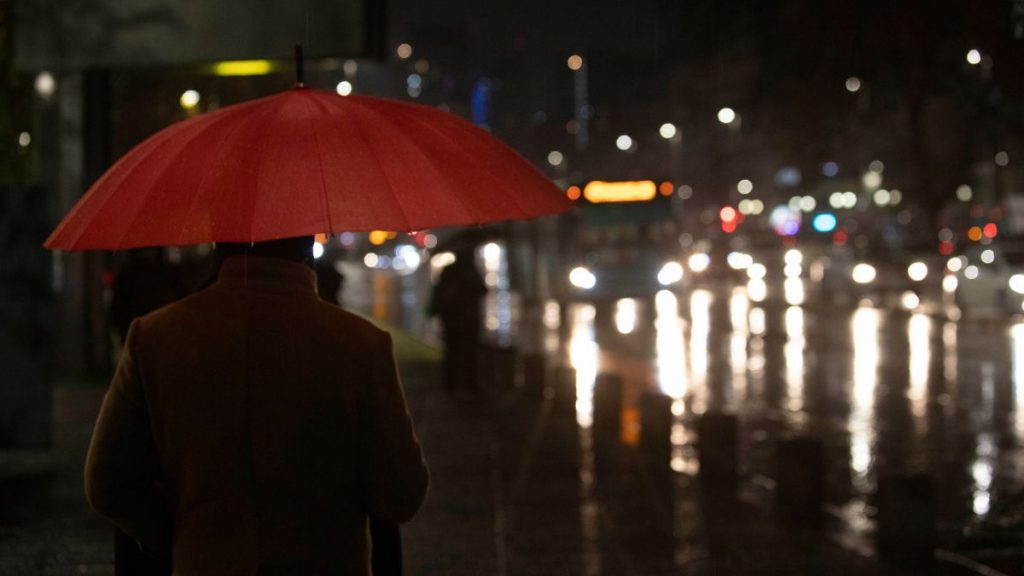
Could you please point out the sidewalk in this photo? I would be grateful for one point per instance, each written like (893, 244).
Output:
(515, 490)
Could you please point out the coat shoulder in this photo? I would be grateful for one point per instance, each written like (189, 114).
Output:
(352, 323)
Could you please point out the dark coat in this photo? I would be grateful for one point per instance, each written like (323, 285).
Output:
(251, 428)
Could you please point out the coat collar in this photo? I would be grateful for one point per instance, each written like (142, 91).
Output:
(266, 274)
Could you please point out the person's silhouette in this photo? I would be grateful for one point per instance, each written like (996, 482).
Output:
(252, 428)
(458, 302)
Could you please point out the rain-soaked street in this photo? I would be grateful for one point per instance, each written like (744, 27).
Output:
(885, 392)
(918, 397)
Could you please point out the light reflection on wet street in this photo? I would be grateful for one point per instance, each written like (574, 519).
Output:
(886, 392)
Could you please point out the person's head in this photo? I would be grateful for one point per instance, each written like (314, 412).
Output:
(296, 249)
(465, 254)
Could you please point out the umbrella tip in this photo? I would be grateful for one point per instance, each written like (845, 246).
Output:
(300, 76)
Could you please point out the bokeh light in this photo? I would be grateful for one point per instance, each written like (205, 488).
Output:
(189, 99)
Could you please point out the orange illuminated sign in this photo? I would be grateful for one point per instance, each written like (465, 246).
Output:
(635, 191)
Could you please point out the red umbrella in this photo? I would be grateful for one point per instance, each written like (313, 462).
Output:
(303, 162)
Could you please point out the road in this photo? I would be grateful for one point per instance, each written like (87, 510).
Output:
(886, 391)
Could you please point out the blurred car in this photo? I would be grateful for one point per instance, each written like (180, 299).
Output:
(717, 263)
(989, 279)
(613, 273)
(888, 279)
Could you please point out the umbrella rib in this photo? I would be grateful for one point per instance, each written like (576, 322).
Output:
(265, 127)
(206, 176)
(140, 212)
(106, 200)
(325, 201)
(428, 159)
(457, 143)
(380, 167)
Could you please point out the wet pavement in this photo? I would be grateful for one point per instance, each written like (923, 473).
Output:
(525, 482)
(921, 402)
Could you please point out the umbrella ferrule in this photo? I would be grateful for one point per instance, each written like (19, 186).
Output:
(300, 73)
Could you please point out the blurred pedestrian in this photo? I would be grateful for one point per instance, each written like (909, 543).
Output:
(145, 281)
(457, 300)
(329, 281)
(252, 428)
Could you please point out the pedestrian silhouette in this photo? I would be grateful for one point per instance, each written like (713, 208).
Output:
(252, 428)
(457, 301)
(144, 282)
(329, 282)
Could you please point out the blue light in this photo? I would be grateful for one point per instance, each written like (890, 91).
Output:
(830, 169)
(824, 222)
(480, 102)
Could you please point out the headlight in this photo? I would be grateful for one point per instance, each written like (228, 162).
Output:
(950, 283)
(917, 271)
(909, 300)
(582, 278)
(670, 273)
(863, 273)
(757, 271)
(699, 262)
(1017, 283)
(739, 260)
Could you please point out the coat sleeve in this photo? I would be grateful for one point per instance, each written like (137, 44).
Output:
(392, 473)
(121, 467)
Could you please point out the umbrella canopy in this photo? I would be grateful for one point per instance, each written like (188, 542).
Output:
(304, 162)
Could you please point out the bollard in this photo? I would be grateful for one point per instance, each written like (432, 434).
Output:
(564, 388)
(534, 374)
(906, 518)
(607, 407)
(800, 481)
(656, 428)
(717, 443)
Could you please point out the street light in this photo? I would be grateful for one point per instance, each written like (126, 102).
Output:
(973, 57)
(624, 142)
(668, 131)
(726, 115)
(45, 85)
(189, 99)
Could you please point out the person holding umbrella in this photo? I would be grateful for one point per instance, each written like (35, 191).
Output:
(252, 428)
